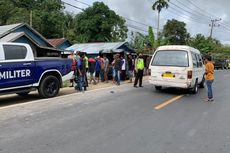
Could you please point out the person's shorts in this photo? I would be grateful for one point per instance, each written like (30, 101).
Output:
(97, 74)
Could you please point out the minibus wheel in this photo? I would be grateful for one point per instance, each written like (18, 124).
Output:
(195, 88)
(158, 88)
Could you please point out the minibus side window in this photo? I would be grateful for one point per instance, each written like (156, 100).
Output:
(194, 60)
(199, 60)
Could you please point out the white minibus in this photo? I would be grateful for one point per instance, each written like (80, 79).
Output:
(177, 67)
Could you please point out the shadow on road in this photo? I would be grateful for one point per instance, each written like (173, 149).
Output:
(174, 91)
(7, 100)
(15, 99)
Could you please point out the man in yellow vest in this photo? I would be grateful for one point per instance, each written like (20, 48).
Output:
(139, 70)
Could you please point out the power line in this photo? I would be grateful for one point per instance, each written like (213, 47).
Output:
(136, 28)
(73, 6)
(185, 17)
(213, 24)
(82, 2)
(195, 11)
(226, 28)
(202, 10)
(138, 22)
(181, 8)
(128, 25)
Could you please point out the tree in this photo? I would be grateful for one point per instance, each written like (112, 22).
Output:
(151, 39)
(49, 24)
(140, 42)
(175, 32)
(28, 5)
(46, 14)
(159, 5)
(205, 44)
(100, 24)
(49, 14)
(69, 27)
(7, 9)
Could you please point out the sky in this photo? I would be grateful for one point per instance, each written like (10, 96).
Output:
(197, 14)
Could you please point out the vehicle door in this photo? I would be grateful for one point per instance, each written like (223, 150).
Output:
(200, 67)
(16, 69)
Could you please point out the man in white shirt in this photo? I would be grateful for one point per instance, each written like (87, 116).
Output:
(123, 68)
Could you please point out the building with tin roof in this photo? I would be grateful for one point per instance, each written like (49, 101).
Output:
(94, 49)
(23, 33)
(60, 43)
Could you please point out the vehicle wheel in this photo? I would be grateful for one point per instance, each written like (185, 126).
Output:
(195, 88)
(23, 93)
(49, 87)
(158, 88)
(202, 84)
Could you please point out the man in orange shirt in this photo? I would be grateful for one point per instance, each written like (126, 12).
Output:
(209, 77)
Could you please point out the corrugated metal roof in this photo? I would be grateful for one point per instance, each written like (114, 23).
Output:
(6, 28)
(95, 48)
(56, 42)
(12, 36)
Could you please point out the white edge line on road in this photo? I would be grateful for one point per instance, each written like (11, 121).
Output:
(58, 97)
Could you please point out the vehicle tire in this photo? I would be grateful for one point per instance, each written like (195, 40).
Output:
(49, 87)
(195, 88)
(202, 84)
(158, 88)
(23, 93)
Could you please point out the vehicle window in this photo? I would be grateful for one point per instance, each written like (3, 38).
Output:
(199, 60)
(171, 58)
(194, 60)
(14, 52)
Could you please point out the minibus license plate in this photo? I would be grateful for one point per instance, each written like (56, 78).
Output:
(168, 75)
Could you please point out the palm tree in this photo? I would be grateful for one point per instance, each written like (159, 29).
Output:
(159, 5)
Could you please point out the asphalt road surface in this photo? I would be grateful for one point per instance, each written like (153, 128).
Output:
(121, 120)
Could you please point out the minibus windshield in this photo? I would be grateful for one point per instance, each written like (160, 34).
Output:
(177, 58)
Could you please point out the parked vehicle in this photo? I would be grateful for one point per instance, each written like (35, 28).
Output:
(21, 73)
(220, 64)
(177, 66)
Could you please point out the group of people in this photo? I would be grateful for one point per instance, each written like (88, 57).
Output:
(80, 67)
(123, 69)
(99, 67)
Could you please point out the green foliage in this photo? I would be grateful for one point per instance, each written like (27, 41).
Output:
(160, 4)
(45, 14)
(151, 37)
(175, 32)
(6, 11)
(27, 4)
(140, 42)
(100, 24)
(96, 24)
(204, 44)
(48, 19)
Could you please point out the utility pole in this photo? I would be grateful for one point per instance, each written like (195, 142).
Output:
(31, 18)
(214, 24)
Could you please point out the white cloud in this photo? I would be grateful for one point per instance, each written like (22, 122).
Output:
(140, 10)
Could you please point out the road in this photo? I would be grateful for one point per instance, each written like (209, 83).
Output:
(121, 120)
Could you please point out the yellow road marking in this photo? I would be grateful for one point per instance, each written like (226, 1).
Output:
(168, 102)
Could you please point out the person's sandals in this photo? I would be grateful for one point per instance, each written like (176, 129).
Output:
(209, 100)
